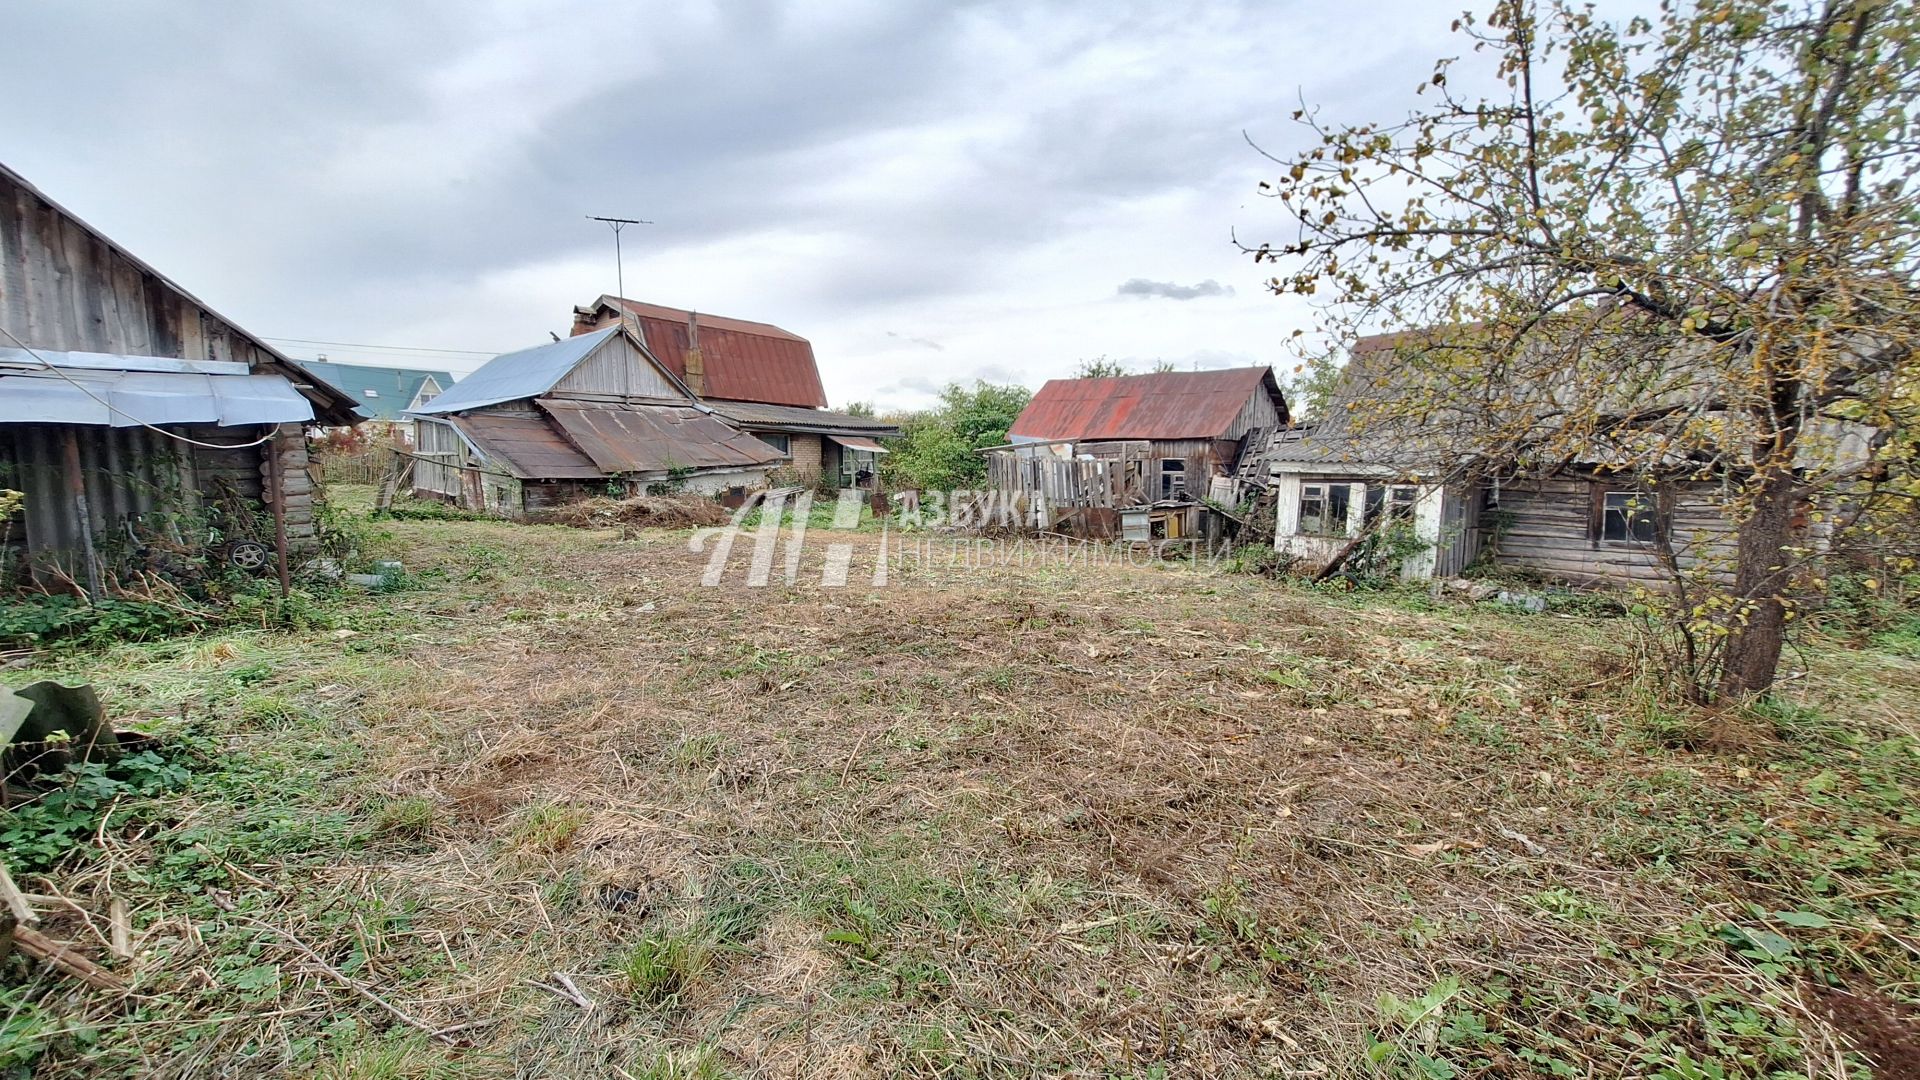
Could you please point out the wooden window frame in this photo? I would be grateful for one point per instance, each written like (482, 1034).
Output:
(1653, 509)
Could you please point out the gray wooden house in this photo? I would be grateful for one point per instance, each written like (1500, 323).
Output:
(129, 409)
(593, 414)
(1584, 522)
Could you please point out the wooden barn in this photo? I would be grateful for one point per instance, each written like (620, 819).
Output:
(1190, 426)
(135, 418)
(594, 414)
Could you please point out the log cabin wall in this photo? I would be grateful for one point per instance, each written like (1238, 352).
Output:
(64, 288)
(1550, 526)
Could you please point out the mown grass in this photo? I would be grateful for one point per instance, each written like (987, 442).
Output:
(1148, 821)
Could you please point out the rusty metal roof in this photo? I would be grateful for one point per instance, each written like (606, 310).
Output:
(743, 360)
(1162, 405)
(655, 438)
(528, 446)
(761, 417)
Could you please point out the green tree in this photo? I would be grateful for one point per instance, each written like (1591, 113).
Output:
(1686, 242)
(859, 408)
(1099, 368)
(935, 450)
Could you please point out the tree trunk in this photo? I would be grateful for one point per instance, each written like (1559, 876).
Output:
(1761, 574)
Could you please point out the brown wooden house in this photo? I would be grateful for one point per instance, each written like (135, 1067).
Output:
(1175, 433)
(760, 378)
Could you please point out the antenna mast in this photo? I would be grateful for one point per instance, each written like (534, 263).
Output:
(619, 261)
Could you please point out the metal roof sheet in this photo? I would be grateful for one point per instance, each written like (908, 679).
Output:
(742, 360)
(799, 418)
(515, 375)
(381, 392)
(1162, 405)
(340, 408)
(855, 442)
(528, 446)
(133, 398)
(655, 438)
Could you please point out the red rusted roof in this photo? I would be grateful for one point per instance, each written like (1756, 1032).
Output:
(655, 438)
(1163, 405)
(744, 361)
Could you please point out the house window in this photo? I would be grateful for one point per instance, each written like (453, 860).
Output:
(371, 393)
(776, 440)
(1395, 500)
(1323, 509)
(853, 463)
(1173, 477)
(1631, 517)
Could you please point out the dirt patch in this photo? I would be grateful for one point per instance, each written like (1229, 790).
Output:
(1886, 1032)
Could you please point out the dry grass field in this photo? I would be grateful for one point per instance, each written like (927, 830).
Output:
(554, 809)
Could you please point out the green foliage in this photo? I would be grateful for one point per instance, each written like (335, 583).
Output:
(1687, 236)
(1099, 368)
(434, 510)
(407, 818)
(660, 966)
(40, 619)
(1376, 562)
(62, 820)
(936, 449)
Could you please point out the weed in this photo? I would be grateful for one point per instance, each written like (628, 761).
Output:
(407, 818)
(660, 966)
(699, 750)
(698, 1064)
(549, 827)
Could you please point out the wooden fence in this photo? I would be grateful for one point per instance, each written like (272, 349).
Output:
(1069, 482)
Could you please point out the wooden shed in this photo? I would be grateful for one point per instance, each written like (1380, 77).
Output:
(134, 415)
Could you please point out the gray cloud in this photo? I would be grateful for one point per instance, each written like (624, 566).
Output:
(1169, 291)
(418, 173)
(925, 343)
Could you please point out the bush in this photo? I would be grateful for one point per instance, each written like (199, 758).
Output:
(38, 619)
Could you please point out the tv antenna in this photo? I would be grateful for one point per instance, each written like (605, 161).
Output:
(619, 263)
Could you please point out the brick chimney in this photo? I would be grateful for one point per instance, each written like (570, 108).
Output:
(696, 378)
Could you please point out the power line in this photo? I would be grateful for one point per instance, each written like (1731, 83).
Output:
(383, 348)
(111, 407)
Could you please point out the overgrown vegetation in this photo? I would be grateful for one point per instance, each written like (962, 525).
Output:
(936, 448)
(950, 828)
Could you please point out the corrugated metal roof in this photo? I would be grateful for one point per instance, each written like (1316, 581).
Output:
(515, 375)
(797, 418)
(743, 360)
(381, 392)
(133, 398)
(528, 445)
(1162, 405)
(855, 442)
(655, 438)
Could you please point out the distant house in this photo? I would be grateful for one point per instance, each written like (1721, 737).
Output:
(133, 416)
(384, 394)
(592, 414)
(1584, 522)
(761, 378)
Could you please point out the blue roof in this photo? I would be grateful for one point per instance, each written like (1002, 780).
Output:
(381, 392)
(515, 375)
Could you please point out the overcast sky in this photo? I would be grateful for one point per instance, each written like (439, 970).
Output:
(928, 192)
